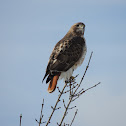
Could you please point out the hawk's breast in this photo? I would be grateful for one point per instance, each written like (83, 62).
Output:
(67, 74)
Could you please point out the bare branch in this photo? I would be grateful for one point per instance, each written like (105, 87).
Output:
(74, 117)
(20, 118)
(84, 72)
(71, 89)
(89, 88)
(64, 103)
(72, 107)
(41, 115)
(70, 86)
(83, 91)
(65, 111)
(58, 89)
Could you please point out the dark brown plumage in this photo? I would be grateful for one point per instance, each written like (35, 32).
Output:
(67, 53)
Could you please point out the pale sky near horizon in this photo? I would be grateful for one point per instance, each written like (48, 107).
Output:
(28, 32)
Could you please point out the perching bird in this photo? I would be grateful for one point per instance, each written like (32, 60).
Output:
(67, 55)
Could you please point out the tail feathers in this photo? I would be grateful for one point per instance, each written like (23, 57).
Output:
(45, 76)
(51, 75)
(49, 78)
(53, 83)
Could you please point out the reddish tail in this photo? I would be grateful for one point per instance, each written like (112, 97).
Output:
(53, 83)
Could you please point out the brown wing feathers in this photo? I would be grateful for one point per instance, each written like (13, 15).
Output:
(63, 59)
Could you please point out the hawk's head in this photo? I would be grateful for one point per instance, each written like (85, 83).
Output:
(78, 29)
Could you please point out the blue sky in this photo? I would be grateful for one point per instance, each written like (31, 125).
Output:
(30, 29)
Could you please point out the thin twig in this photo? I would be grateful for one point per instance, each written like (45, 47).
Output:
(71, 89)
(79, 94)
(20, 118)
(89, 88)
(70, 86)
(41, 115)
(65, 111)
(58, 89)
(72, 107)
(84, 72)
(74, 117)
(64, 103)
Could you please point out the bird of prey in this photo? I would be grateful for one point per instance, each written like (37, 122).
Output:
(67, 55)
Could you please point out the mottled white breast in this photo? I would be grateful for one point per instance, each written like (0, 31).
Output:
(66, 75)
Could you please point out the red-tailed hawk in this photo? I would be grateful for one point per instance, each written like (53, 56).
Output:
(67, 55)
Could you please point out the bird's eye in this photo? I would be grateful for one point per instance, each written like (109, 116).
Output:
(78, 25)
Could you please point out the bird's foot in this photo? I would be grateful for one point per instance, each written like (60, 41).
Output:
(72, 77)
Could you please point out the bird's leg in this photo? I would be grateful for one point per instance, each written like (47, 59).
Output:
(70, 79)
